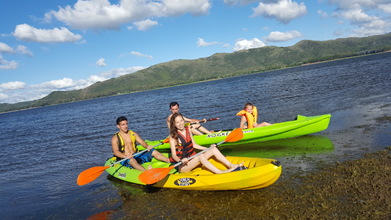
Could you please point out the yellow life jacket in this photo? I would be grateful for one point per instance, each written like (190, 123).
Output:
(121, 143)
(250, 117)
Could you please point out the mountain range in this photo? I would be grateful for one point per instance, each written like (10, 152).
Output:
(217, 66)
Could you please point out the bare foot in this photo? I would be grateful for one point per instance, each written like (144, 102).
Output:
(233, 167)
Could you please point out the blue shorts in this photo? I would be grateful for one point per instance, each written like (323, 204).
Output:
(141, 158)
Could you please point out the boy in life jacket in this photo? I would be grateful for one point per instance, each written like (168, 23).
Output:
(196, 127)
(123, 144)
(249, 116)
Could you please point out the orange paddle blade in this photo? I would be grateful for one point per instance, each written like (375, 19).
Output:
(154, 175)
(90, 175)
(235, 135)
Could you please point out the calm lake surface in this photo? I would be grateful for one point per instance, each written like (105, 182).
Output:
(43, 150)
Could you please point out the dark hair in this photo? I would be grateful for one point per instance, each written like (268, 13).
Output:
(173, 128)
(248, 104)
(121, 118)
(174, 104)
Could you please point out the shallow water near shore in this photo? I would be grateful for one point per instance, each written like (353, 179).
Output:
(44, 149)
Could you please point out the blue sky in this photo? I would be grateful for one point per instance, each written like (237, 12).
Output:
(59, 45)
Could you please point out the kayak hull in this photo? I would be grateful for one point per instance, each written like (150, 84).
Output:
(261, 173)
(303, 125)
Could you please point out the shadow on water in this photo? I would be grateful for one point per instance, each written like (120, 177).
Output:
(310, 144)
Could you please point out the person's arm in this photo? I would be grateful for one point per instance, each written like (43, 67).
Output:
(173, 144)
(195, 145)
(242, 122)
(168, 122)
(141, 141)
(194, 120)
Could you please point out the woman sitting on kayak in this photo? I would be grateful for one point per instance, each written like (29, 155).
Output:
(183, 146)
(250, 116)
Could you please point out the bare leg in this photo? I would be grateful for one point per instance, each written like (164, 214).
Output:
(195, 131)
(263, 124)
(204, 159)
(204, 130)
(219, 156)
(159, 156)
(190, 165)
(198, 129)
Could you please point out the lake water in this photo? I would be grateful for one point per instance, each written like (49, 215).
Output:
(43, 150)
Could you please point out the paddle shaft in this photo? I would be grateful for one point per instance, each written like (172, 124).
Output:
(136, 154)
(202, 121)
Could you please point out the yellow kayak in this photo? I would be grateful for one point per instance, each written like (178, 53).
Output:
(261, 173)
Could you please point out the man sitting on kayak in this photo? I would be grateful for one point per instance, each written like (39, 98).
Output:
(124, 146)
(196, 127)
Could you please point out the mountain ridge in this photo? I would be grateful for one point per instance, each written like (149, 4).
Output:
(217, 66)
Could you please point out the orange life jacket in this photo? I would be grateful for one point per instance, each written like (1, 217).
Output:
(185, 148)
(250, 117)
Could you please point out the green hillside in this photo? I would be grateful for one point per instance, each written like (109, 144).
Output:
(218, 66)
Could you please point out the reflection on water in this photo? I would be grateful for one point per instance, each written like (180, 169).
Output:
(310, 144)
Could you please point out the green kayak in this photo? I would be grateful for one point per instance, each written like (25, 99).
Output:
(302, 125)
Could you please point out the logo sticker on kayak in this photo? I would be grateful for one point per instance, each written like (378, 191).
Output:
(221, 134)
(248, 131)
(184, 181)
(122, 175)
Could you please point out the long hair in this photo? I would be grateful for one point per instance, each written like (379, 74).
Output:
(173, 128)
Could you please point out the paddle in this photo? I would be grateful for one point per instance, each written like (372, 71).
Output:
(203, 121)
(92, 173)
(156, 174)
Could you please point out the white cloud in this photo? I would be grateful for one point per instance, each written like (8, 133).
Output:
(144, 25)
(12, 85)
(323, 14)
(56, 84)
(101, 62)
(241, 2)
(101, 14)
(248, 44)
(4, 48)
(26, 32)
(202, 43)
(385, 7)
(277, 36)
(349, 4)
(3, 96)
(366, 24)
(114, 73)
(13, 92)
(365, 15)
(140, 54)
(7, 65)
(284, 10)
(24, 50)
